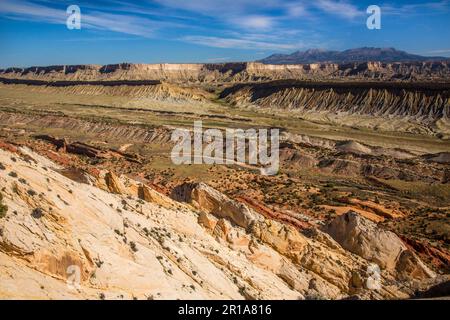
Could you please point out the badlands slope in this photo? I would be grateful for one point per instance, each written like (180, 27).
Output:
(130, 241)
(406, 97)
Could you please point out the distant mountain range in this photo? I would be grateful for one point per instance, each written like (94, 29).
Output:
(352, 55)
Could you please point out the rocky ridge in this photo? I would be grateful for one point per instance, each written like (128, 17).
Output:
(365, 54)
(423, 102)
(114, 229)
(235, 72)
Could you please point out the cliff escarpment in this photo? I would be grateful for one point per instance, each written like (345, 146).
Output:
(235, 72)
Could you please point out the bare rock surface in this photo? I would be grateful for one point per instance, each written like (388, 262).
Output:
(119, 239)
(203, 196)
(364, 238)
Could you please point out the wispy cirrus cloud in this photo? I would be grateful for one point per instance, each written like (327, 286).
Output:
(297, 9)
(23, 9)
(254, 22)
(243, 14)
(417, 8)
(241, 24)
(121, 23)
(340, 8)
(221, 42)
(220, 8)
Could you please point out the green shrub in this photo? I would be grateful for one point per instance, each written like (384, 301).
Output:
(3, 207)
(133, 246)
(37, 213)
(13, 174)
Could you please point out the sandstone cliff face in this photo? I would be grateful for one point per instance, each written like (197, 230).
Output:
(113, 230)
(206, 198)
(232, 72)
(123, 247)
(365, 239)
(319, 252)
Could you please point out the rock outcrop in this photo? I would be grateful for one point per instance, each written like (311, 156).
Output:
(364, 238)
(84, 149)
(204, 197)
(317, 253)
(67, 240)
(64, 239)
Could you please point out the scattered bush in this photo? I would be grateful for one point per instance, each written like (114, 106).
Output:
(133, 246)
(13, 174)
(99, 263)
(37, 213)
(3, 207)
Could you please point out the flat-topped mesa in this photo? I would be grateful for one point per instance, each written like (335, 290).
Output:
(126, 71)
(237, 72)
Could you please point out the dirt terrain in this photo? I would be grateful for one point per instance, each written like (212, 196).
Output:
(86, 180)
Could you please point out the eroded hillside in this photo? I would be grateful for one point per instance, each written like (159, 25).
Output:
(424, 102)
(87, 182)
(406, 97)
(130, 241)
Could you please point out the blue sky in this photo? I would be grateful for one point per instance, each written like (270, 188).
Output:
(34, 32)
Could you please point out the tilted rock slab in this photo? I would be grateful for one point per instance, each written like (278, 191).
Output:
(364, 238)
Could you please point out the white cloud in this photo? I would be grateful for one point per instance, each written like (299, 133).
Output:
(33, 11)
(127, 24)
(339, 8)
(218, 42)
(297, 10)
(219, 7)
(253, 22)
(418, 8)
(244, 14)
